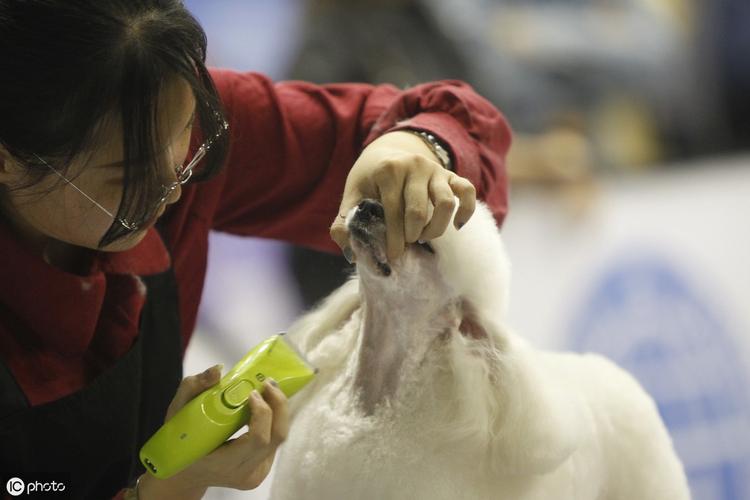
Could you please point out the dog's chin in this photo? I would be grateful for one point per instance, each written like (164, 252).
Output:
(370, 250)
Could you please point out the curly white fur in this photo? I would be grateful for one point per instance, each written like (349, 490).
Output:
(424, 393)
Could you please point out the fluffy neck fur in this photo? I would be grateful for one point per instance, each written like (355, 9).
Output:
(393, 341)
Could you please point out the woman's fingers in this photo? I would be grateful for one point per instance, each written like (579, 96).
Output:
(416, 205)
(278, 403)
(444, 203)
(417, 193)
(245, 461)
(191, 386)
(241, 463)
(261, 420)
(390, 183)
(268, 425)
(420, 205)
(338, 230)
(467, 199)
(443, 188)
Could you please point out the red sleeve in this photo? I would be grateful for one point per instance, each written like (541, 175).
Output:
(292, 145)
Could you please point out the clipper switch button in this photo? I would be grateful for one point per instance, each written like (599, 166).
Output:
(236, 394)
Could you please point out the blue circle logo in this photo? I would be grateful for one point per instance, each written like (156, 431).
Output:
(643, 315)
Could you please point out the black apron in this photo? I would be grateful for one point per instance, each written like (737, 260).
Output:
(89, 440)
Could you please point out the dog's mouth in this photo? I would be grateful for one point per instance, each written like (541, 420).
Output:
(367, 230)
(366, 224)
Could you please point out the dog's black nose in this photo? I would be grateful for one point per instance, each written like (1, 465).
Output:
(370, 209)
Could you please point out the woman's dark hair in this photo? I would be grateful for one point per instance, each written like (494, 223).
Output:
(67, 65)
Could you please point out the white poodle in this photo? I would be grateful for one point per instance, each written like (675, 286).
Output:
(424, 392)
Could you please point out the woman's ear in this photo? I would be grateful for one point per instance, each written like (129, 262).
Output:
(10, 170)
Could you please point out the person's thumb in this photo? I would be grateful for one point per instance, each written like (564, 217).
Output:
(339, 232)
(191, 386)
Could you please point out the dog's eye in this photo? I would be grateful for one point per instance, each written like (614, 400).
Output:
(426, 246)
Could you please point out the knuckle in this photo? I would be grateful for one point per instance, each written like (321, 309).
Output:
(387, 169)
(416, 213)
(260, 435)
(461, 183)
(278, 437)
(388, 166)
(447, 203)
(422, 162)
(263, 440)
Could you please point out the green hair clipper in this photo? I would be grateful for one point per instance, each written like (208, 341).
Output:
(209, 419)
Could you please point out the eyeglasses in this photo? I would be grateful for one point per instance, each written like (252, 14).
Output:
(184, 173)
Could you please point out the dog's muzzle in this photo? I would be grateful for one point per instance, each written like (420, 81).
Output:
(367, 226)
(369, 212)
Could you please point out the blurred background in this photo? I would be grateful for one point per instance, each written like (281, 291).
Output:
(628, 229)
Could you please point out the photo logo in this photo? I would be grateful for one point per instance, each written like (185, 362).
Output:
(15, 486)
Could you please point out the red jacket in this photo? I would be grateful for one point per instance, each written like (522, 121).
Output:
(292, 145)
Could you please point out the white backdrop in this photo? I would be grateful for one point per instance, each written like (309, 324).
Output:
(656, 276)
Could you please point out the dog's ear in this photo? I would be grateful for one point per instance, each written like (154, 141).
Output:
(532, 419)
(470, 325)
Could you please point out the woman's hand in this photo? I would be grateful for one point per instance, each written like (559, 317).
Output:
(417, 193)
(241, 463)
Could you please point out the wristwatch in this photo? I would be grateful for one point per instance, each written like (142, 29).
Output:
(435, 146)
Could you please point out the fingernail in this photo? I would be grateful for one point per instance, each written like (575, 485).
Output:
(273, 382)
(256, 394)
(349, 255)
(208, 374)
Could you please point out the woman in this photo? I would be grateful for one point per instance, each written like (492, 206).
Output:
(119, 152)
